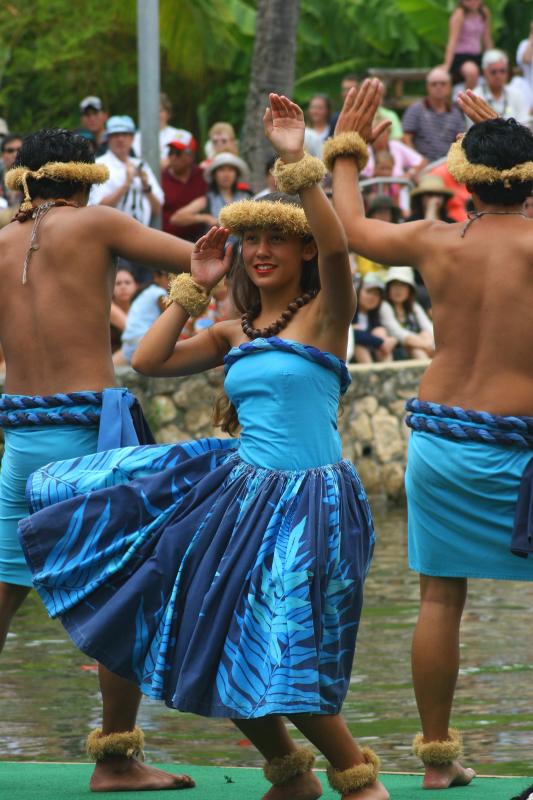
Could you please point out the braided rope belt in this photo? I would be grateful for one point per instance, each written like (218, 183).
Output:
(458, 424)
(58, 409)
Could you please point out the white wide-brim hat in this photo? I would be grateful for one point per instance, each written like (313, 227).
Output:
(401, 274)
(227, 160)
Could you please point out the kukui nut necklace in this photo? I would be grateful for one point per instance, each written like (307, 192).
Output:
(281, 322)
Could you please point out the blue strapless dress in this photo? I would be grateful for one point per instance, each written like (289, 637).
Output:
(224, 577)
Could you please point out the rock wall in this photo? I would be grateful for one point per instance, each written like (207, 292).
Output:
(370, 424)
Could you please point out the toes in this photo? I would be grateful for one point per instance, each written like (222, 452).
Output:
(185, 782)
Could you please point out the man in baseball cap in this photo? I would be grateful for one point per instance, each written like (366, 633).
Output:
(182, 181)
(92, 122)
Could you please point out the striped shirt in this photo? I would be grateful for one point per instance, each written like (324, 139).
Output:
(433, 131)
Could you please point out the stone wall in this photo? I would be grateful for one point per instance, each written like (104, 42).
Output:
(371, 423)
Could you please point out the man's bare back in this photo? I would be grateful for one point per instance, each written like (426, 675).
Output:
(54, 329)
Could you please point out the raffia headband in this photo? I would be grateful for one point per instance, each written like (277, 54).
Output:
(464, 171)
(76, 171)
(246, 214)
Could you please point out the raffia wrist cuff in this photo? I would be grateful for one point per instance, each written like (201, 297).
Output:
(300, 175)
(437, 753)
(184, 290)
(349, 143)
(351, 780)
(282, 769)
(128, 743)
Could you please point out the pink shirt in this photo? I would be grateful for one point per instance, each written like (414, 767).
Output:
(404, 159)
(471, 35)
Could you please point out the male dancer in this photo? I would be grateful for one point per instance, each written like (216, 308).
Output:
(57, 275)
(469, 472)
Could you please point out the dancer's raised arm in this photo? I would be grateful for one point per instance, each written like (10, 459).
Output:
(284, 128)
(380, 241)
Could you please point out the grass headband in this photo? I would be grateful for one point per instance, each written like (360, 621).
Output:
(464, 171)
(245, 214)
(75, 171)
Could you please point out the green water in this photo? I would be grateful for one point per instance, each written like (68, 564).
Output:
(49, 694)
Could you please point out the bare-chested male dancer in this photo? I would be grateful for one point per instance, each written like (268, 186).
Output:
(470, 472)
(57, 275)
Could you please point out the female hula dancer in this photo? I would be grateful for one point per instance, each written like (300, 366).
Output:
(226, 576)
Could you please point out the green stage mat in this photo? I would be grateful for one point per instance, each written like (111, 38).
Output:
(22, 780)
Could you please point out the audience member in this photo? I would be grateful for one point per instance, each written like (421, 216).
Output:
(524, 59)
(132, 186)
(406, 161)
(270, 181)
(144, 311)
(167, 133)
(429, 199)
(223, 175)
(222, 139)
(125, 288)
(456, 205)
(182, 181)
(403, 318)
(319, 116)
(371, 341)
(469, 78)
(431, 125)
(469, 35)
(11, 144)
(93, 120)
(506, 100)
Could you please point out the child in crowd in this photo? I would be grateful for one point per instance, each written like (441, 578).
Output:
(226, 576)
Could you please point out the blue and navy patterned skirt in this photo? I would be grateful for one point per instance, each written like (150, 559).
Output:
(219, 587)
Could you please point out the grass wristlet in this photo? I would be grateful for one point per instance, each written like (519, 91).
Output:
(184, 290)
(301, 174)
(349, 143)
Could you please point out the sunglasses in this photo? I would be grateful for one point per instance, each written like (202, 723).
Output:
(10, 149)
(218, 140)
(499, 71)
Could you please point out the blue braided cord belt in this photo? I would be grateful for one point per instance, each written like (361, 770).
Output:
(17, 411)
(460, 425)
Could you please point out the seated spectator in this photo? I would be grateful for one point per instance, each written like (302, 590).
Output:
(144, 311)
(406, 162)
(132, 186)
(125, 288)
(456, 205)
(223, 176)
(270, 181)
(470, 78)
(319, 116)
(429, 200)
(431, 125)
(524, 59)
(167, 133)
(380, 207)
(403, 318)
(11, 144)
(93, 119)
(506, 100)
(183, 181)
(469, 34)
(222, 139)
(371, 341)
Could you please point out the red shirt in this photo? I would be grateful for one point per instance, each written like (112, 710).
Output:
(178, 194)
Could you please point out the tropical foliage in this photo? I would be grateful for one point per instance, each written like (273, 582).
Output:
(54, 52)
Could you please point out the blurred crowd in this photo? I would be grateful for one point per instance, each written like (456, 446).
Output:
(405, 179)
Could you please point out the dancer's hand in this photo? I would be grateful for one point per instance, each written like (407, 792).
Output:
(211, 259)
(359, 110)
(285, 127)
(475, 108)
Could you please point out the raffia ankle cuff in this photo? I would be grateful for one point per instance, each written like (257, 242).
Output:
(437, 753)
(282, 769)
(345, 144)
(192, 297)
(290, 178)
(350, 780)
(127, 743)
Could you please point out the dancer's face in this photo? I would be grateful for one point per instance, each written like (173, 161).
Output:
(273, 258)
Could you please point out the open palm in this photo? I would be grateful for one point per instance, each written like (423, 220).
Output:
(359, 111)
(210, 259)
(284, 126)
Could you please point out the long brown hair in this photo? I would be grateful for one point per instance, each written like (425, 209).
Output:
(481, 10)
(246, 298)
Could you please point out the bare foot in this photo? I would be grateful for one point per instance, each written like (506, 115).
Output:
(447, 775)
(376, 791)
(301, 787)
(130, 775)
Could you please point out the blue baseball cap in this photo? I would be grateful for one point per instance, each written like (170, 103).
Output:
(123, 124)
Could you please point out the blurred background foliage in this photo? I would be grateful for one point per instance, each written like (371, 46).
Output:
(54, 52)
